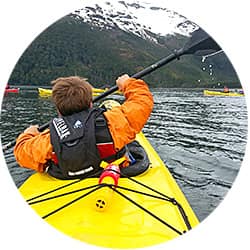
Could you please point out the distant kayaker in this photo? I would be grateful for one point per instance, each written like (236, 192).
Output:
(241, 91)
(81, 136)
(226, 89)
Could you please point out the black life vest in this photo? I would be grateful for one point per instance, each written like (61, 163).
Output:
(80, 142)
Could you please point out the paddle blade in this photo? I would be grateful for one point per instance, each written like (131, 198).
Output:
(201, 43)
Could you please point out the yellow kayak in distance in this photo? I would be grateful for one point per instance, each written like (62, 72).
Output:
(220, 93)
(48, 92)
(140, 211)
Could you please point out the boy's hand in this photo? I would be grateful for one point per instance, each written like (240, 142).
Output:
(121, 80)
(33, 129)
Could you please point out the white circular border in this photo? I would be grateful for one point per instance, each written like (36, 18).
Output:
(227, 22)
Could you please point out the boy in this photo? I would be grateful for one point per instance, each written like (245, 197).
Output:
(82, 136)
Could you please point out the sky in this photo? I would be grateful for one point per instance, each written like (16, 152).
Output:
(227, 21)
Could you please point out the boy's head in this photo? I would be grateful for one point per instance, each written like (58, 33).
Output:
(71, 94)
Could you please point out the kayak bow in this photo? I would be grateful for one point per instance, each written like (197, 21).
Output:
(144, 210)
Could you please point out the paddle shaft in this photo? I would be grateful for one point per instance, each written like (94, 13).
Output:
(9, 145)
(144, 72)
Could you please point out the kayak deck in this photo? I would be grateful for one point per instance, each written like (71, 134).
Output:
(122, 220)
(135, 215)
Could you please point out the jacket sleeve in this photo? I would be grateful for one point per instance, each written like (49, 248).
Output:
(33, 151)
(127, 120)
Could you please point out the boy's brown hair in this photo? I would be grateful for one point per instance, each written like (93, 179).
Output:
(71, 94)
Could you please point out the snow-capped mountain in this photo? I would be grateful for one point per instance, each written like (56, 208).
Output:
(144, 19)
(103, 39)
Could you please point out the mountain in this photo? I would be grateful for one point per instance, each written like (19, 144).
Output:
(105, 39)
(133, 16)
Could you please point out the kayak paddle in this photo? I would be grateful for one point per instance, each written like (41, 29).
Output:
(199, 43)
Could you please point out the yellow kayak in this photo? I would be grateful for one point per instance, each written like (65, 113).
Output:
(140, 211)
(96, 90)
(48, 92)
(220, 93)
(44, 92)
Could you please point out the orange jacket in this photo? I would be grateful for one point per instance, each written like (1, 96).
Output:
(33, 150)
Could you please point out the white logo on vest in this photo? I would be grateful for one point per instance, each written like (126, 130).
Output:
(61, 128)
(78, 124)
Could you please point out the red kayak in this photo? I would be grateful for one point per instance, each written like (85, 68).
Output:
(11, 90)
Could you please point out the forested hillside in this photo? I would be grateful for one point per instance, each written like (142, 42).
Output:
(72, 47)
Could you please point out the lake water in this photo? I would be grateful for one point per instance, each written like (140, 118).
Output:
(201, 139)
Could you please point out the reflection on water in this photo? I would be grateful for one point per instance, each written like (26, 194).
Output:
(201, 139)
